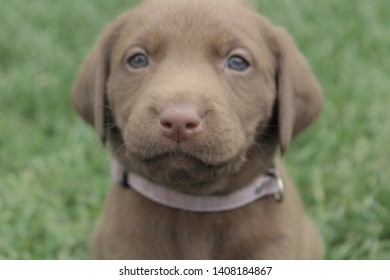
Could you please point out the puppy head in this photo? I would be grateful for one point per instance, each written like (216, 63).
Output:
(184, 90)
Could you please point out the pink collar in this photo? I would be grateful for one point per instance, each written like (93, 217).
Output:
(264, 185)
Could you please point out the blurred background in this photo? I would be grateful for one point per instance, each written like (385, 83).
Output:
(54, 172)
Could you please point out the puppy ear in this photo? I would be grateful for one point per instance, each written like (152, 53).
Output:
(89, 89)
(299, 94)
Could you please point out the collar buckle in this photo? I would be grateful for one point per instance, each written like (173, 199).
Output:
(279, 195)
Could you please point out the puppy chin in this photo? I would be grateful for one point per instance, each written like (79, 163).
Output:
(185, 173)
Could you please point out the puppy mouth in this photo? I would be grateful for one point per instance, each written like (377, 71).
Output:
(183, 171)
(180, 159)
(183, 166)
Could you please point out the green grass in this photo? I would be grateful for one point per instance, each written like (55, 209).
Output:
(54, 172)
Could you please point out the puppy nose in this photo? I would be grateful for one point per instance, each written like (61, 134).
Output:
(180, 122)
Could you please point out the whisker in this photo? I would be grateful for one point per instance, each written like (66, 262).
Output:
(119, 149)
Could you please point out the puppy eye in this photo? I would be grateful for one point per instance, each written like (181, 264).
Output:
(237, 63)
(138, 60)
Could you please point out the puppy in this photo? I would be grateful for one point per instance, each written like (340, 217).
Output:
(195, 98)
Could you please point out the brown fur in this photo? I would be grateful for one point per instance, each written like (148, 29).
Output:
(246, 116)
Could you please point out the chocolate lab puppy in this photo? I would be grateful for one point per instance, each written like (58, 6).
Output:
(196, 98)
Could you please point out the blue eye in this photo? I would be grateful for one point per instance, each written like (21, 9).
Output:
(237, 63)
(138, 60)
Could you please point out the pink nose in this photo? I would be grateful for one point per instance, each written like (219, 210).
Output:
(180, 122)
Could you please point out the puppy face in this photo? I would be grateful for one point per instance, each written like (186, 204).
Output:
(191, 86)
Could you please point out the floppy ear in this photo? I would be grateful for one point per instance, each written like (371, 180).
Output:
(89, 90)
(299, 94)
